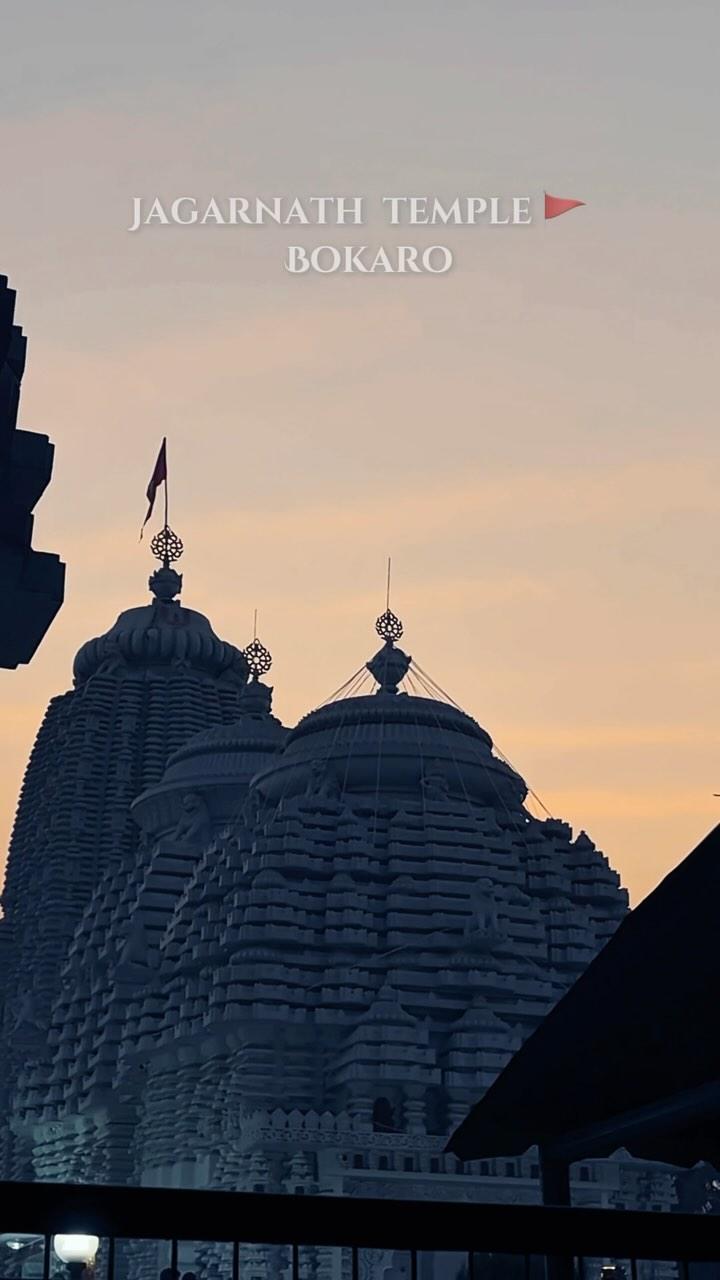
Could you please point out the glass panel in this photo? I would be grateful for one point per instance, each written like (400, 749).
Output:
(21, 1255)
(442, 1266)
(137, 1259)
(500, 1266)
(383, 1264)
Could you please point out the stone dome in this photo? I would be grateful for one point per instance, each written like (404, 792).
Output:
(219, 762)
(161, 634)
(236, 750)
(394, 744)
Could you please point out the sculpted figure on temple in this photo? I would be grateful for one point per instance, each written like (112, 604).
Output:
(323, 781)
(112, 655)
(135, 949)
(483, 929)
(27, 1021)
(194, 821)
(250, 814)
(435, 785)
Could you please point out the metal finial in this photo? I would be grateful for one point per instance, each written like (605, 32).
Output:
(166, 546)
(258, 658)
(388, 626)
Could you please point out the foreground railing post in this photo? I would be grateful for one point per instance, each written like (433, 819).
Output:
(555, 1183)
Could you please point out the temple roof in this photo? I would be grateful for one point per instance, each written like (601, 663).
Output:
(395, 740)
(348, 889)
(160, 634)
(629, 1057)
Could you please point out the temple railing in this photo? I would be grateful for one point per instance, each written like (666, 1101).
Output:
(283, 1235)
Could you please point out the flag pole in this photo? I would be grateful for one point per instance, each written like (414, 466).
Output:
(166, 483)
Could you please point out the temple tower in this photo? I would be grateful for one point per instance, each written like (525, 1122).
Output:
(84, 1103)
(322, 957)
(363, 953)
(157, 677)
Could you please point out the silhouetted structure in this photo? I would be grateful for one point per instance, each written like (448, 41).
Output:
(629, 1057)
(157, 677)
(322, 943)
(32, 583)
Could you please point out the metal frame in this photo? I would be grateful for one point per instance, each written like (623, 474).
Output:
(659, 1119)
(146, 1213)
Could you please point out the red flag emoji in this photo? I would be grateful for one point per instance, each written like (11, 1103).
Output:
(555, 205)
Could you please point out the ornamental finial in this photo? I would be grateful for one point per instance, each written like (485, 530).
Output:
(258, 658)
(388, 625)
(390, 665)
(166, 546)
(165, 583)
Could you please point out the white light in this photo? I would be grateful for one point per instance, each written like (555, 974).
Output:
(15, 1244)
(76, 1248)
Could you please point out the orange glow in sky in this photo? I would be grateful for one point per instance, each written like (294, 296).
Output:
(532, 436)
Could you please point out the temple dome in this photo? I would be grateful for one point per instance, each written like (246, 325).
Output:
(219, 762)
(160, 634)
(281, 968)
(395, 744)
(222, 750)
(392, 743)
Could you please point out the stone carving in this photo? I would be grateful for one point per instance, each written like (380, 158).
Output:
(323, 781)
(27, 1020)
(435, 785)
(194, 821)
(135, 951)
(113, 657)
(250, 813)
(483, 932)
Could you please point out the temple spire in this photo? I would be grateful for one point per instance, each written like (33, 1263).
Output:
(258, 658)
(257, 697)
(165, 583)
(166, 546)
(390, 664)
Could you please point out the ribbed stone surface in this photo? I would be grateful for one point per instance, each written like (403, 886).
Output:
(325, 946)
(99, 746)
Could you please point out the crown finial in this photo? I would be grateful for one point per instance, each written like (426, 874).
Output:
(165, 583)
(258, 658)
(166, 546)
(390, 665)
(389, 627)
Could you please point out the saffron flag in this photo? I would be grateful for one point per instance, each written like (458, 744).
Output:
(158, 477)
(555, 205)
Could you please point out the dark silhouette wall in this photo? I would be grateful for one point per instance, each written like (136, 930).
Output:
(32, 583)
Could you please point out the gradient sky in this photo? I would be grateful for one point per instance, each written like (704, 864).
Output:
(533, 437)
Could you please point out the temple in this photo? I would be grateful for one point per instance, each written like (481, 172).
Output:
(156, 678)
(252, 957)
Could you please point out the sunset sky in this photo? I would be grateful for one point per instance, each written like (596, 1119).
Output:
(533, 437)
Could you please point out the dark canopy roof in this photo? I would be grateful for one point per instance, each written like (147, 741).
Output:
(637, 1033)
